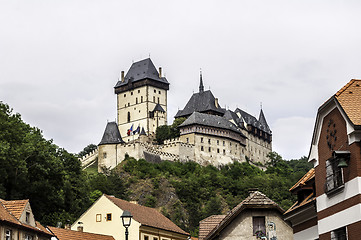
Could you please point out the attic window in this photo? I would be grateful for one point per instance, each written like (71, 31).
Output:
(259, 226)
(27, 217)
(109, 216)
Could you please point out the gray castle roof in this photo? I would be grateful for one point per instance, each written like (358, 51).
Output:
(201, 102)
(111, 134)
(251, 120)
(211, 121)
(141, 70)
(158, 108)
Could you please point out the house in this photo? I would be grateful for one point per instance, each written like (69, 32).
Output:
(303, 214)
(256, 217)
(67, 234)
(17, 222)
(336, 155)
(142, 98)
(103, 217)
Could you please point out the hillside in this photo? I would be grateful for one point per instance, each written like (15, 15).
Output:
(60, 191)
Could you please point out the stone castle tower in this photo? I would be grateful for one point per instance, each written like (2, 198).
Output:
(141, 100)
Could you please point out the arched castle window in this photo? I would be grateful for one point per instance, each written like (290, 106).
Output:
(128, 117)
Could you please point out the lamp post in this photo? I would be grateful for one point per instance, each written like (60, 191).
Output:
(126, 220)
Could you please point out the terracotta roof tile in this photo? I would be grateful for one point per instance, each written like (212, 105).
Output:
(349, 98)
(64, 234)
(147, 216)
(208, 224)
(308, 176)
(16, 207)
(5, 215)
(255, 200)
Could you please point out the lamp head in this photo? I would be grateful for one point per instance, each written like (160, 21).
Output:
(126, 218)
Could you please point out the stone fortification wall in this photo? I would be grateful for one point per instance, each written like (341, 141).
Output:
(89, 159)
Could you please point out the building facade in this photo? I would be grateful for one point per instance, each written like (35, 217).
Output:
(256, 217)
(336, 155)
(103, 217)
(17, 222)
(209, 135)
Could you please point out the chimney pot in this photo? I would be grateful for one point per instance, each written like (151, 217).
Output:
(160, 72)
(122, 76)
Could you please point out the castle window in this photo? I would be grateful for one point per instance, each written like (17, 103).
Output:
(138, 91)
(217, 150)
(187, 140)
(209, 140)
(136, 100)
(141, 98)
(125, 95)
(224, 144)
(209, 149)
(217, 142)
(128, 118)
(158, 100)
(155, 91)
(104, 155)
(128, 104)
(153, 98)
(131, 93)
(159, 92)
(224, 152)
(202, 148)
(146, 238)
(201, 139)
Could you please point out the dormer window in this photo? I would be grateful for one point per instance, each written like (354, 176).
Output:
(27, 217)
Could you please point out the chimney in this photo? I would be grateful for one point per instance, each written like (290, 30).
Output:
(122, 76)
(160, 72)
(216, 102)
(67, 226)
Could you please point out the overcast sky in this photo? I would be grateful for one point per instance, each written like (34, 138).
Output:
(60, 59)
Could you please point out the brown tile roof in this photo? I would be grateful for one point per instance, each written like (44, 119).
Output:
(6, 215)
(308, 176)
(208, 224)
(147, 216)
(349, 98)
(310, 198)
(64, 234)
(256, 200)
(16, 207)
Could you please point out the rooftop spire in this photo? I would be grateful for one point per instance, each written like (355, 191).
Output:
(201, 87)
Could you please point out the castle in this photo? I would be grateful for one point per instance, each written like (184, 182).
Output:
(209, 135)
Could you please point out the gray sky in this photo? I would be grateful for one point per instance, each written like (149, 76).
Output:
(60, 59)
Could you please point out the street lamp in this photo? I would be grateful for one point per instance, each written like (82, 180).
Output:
(126, 220)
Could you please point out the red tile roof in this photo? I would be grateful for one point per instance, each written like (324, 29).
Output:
(64, 234)
(349, 98)
(147, 216)
(310, 198)
(307, 177)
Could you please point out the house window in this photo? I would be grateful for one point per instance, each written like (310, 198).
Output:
(109, 216)
(334, 178)
(339, 234)
(8, 234)
(27, 217)
(98, 218)
(28, 237)
(259, 226)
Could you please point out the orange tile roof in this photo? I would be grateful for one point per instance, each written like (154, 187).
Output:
(349, 98)
(255, 200)
(147, 216)
(16, 207)
(6, 215)
(208, 224)
(308, 176)
(308, 199)
(64, 234)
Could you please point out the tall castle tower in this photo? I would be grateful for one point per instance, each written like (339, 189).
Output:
(141, 100)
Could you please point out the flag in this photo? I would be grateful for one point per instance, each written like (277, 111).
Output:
(137, 130)
(130, 130)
